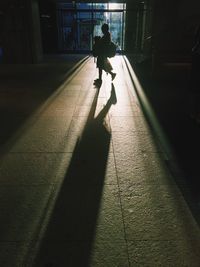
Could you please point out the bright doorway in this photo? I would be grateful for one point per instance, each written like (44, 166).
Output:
(78, 23)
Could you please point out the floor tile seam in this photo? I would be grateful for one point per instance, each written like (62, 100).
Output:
(137, 149)
(27, 185)
(51, 240)
(18, 135)
(41, 112)
(138, 101)
(24, 128)
(66, 135)
(13, 242)
(168, 151)
(121, 199)
(138, 171)
(47, 152)
(133, 93)
(141, 153)
(121, 206)
(174, 194)
(49, 117)
(69, 151)
(161, 240)
(93, 183)
(42, 218)
(89, 185)
(145, 132)
(148, 183)
(129, 131)
(69, 241)
(123, 218)
(34, 153)
(75, 116)
(127, 106)
(79, 106)
(88, 106)
(127, 115)
(17, 241)
(137, 140)
(121, 116)
(61, 87)
(48, 208)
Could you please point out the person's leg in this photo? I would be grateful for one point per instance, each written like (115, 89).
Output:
(100, 74)
(108, 68)
(113, 74)
(98, 81)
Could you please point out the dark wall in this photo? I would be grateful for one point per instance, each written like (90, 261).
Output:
(48, 22)
(174, 25)
(15, 32)
(35, 35)
(20, 31)
(139, 27)
(131, 22)
(163, 29)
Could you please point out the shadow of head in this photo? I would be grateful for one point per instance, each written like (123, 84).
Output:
(97, 83)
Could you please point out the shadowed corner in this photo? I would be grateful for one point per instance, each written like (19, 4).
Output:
(70, 232)
(16, 117)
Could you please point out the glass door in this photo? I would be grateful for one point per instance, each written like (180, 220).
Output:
(84, 30)
(67, 32)
(80, 22)
(115, 21)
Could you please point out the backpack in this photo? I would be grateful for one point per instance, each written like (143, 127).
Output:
(112, 48)
(96, 46)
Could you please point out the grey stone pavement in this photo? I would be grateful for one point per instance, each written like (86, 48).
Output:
(83, 179)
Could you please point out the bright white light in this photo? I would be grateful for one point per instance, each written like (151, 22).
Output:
(113, 6)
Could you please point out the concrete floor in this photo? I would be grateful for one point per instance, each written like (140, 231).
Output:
(168, 91)
(83, 179)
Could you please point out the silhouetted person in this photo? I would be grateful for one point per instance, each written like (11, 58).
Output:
(195, 78)
(102, 61)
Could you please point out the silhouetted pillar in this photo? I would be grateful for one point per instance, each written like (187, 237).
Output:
(35, 33)
(20, 31)
(139, 27)
(165, 30)
(131, 22)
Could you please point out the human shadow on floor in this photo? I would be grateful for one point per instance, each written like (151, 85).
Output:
(71, 229)
(97, 83)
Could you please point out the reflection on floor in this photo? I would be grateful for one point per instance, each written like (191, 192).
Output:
(83, 178)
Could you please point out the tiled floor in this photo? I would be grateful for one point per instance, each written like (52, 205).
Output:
(83, 181)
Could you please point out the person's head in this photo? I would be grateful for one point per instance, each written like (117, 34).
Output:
(105, 28)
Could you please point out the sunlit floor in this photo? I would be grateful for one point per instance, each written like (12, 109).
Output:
(83, 180)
